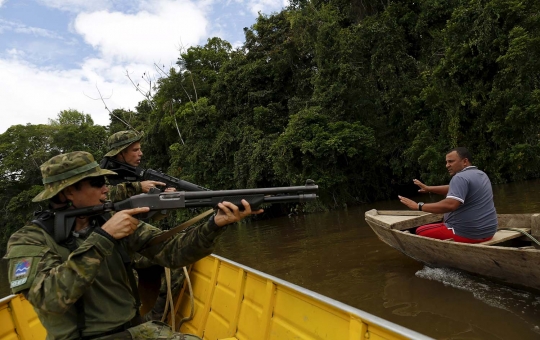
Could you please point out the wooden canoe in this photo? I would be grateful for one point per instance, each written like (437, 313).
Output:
(510, 257)
(232, 302)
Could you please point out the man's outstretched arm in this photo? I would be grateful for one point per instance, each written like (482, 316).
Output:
(441, 207)
(435, 189)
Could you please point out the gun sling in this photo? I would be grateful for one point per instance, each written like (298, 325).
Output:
(171, 232)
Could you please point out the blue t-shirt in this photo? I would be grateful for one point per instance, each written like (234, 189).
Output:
(476, 217)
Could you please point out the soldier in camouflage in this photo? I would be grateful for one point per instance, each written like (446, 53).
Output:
(94, 273)
(125, 147)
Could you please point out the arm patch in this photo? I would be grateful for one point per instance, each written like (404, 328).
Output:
(23, 263)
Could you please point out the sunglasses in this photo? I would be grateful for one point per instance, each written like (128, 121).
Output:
(97, 182)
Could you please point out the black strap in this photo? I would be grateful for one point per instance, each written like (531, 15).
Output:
(124, 172)
(45, 220)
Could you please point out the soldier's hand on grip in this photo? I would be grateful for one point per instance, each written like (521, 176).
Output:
(147, 185)
(123, 223)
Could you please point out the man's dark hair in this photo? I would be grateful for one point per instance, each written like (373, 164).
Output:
(462, 153)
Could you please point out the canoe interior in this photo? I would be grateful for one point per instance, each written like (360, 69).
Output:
(404, 220)
(232, 301)
(236, 302)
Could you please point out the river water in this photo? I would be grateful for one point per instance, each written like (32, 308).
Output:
(338, 255)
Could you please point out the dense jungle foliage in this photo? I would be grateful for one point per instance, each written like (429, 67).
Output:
(360, 95)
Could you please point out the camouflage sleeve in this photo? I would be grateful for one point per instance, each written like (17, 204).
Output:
(124, 190)
(180, 250)
(139, 262)
(54, 285)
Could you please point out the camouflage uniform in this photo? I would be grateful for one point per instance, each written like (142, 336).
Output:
(116, 143)
(124, 190)
(53, 278)
(150, 330)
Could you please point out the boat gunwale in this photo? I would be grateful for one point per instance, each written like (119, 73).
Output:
(8, 298)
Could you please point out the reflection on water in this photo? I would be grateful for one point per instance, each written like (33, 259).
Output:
(336, 254)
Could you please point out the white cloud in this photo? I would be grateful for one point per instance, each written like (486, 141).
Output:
(150, 35)
(2, 2)
(125, 34)
(15, 53)
(78, 5)
(264, 6)
(32, 95)
(16, 27)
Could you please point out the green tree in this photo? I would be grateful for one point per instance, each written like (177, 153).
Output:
(23, 148)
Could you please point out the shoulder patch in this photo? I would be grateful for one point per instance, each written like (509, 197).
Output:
(21, 270)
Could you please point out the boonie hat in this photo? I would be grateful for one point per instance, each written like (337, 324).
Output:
(67, 169)
(121, 140)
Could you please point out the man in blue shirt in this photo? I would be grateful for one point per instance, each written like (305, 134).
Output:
(469, 211)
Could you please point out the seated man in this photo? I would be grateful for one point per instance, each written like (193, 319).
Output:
(83, 287)
(469, 211)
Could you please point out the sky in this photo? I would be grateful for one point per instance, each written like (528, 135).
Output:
(57, 54)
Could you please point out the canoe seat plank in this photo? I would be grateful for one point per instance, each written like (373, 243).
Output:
(504, 235)
(402, 220)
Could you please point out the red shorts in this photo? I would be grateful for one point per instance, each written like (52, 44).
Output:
(441, 232)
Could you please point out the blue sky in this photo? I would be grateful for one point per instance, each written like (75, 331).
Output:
(55, 54)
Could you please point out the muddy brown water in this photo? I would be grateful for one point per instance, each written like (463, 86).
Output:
(336, 254)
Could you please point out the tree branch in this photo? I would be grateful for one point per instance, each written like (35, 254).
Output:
(147, 95)
(106, 108)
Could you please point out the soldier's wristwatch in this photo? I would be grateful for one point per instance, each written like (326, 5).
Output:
(420, 205)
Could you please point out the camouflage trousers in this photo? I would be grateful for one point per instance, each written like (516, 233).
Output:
(148, 331)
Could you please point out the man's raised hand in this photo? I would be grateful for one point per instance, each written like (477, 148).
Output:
(423, 188)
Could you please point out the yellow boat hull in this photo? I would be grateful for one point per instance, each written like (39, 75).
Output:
(18, 320)
(232, 301)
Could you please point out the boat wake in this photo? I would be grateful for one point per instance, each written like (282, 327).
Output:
(515, 301)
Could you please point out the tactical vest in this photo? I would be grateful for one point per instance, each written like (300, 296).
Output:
(45, 220)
